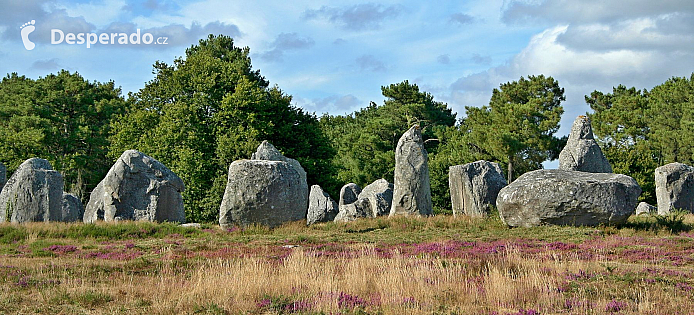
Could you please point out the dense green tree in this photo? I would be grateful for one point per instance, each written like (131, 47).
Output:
(517, 127)
(640, 130)
(365, 140)
(62, 118)
(209, 109)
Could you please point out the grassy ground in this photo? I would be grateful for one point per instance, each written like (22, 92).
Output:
(437, 265)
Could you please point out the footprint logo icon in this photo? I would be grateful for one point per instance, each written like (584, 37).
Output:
(27, 28)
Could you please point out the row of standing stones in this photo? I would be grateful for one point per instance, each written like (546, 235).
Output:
(271, 189)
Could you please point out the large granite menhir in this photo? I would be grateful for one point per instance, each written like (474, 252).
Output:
(262, 192)
(412, 193)
(474, 187)
(674, 187)
(582, 152)
(137, 187)
(267, 151)
(34, 193)
(562, 197)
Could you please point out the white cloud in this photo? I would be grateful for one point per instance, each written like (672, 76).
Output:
(579, 71)
(285, 42)
(359, 17)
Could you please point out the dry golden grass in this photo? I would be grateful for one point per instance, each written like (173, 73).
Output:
(265, 278)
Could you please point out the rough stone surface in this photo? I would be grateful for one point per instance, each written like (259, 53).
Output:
(349, 194)
(358, 209)
(380, 196)
(321, 208)
(645, 208)
(3, 176)
(674, 187)
(412, 193)
(73, 210)
(191, 225)
(474, 187)
(267, 151)
(137, 187)
(564, 197)
(34, 193)
(582, 152)
(262, 192)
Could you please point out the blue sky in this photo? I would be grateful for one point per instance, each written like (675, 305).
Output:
(334, 56)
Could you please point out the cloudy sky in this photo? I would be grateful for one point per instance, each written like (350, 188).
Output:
(334, 57)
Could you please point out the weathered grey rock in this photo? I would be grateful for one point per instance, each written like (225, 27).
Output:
(564, 197)
(674, 187)
(321, 208)
(73, 210)
(3, 176)
(358, 209)
(380, 196)
(191, 225)
(645, 208)
(412, 193)
(349, 194)
(267, 151)
(262, 192)
(137, 187)
(34, 193)
(582, 152)
(474, 187)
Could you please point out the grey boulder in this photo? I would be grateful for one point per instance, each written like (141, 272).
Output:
(412, 193)
(267, 151)
(321, 208)
(380, 196)
(73, 210)
(262, 192)
(349, 194)
(645, 208)
(474, 187)
(34, 193)
(137, 187)
(562, 197)
(582, 152)
(358, 209)
(674, 187)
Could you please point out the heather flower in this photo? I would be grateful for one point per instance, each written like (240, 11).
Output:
(346, 300)
(615, 306)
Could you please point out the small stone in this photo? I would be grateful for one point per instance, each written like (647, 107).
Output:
(582, 152)
(321, 208)
(674, 187)
(474, 187)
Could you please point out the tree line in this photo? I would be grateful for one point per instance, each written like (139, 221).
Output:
(211, 107)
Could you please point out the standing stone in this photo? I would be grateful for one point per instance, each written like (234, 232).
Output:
(137, 187)
(267, 151)
(321, 208)
(582, 152)
(380, 196)
(564, 197)
(412, 193)
(645, 208)
(3, 176)
(474, 187)
(358, 209)
(262, 192)
(73, 210)
(674, 187)
(349, 194)
(34, 193)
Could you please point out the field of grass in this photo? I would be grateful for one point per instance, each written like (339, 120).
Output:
(436, 265)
